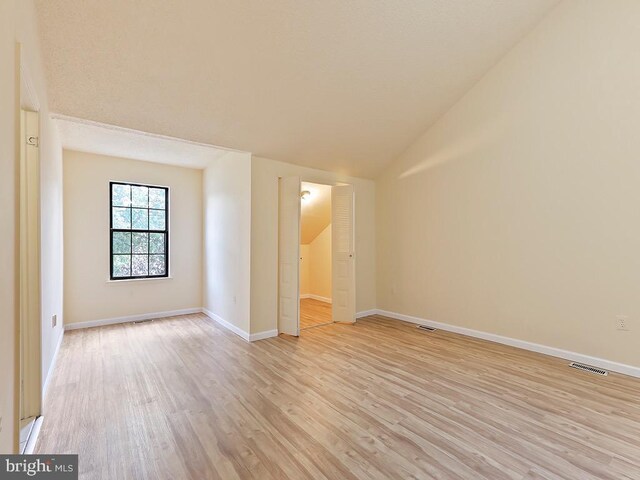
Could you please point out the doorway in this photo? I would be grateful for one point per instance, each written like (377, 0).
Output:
(324, 281)
(315, 255)
(30, 366)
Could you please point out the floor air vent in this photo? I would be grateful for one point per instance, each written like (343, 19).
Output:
(588, 368)
(427, 328)
(142, 321)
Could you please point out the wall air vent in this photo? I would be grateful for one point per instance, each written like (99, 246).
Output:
(426, 328)
(588, 368)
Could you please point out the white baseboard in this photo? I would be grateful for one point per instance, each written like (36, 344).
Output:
(262, 335)
(131, 318)
(253, 337)
(148, 316)
(514, 342)
(367, 313)
(316, 297)
(229, 326)
(30, 446)
(47, 379)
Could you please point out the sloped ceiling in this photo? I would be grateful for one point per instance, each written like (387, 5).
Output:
(333, 84)
(315, 211)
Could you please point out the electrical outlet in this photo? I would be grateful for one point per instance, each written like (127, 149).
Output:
(54, 321)
(622, 323)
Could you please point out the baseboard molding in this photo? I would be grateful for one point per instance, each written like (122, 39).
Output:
(262, 335)
(149, 316)
(229, 326)
(316, 297)
(366, 313)
(253, 337)
(514, 342)
(47, 379)
(30, 446)
(131, 318)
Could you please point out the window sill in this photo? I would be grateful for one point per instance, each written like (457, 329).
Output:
(130, 280)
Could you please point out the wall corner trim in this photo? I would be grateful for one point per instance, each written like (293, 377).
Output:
(131, 318)
(156, 315)
(262, 335)
(52, 366)
(229, 326)
(514, 342)
(30, 446)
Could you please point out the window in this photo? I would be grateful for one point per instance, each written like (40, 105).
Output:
(139, 231)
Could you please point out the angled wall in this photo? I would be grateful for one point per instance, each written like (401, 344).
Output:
(517, 212)
(320, 264)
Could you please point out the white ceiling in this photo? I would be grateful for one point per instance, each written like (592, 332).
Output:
(315, 211)
(93, 137)
(333, 84)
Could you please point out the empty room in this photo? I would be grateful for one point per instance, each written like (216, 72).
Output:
(290, 239)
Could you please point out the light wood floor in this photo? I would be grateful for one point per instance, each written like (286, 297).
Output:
(182, 398)
(314, 312)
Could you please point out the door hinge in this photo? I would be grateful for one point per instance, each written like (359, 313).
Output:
(32, 140)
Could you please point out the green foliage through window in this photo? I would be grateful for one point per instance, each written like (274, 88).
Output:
(139, 231)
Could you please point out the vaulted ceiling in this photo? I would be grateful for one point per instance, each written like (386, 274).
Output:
(333, 84)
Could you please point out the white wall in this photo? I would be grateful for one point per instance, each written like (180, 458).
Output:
(517, 213)
(8, 232)
(89, 295)
(17, 24)
(51, 234)
(50, 153)
(319, 269)
(305, 260)
(264, 237)
(227, 239)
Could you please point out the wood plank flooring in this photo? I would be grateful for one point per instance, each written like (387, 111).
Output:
(183, 398)
(314, 312)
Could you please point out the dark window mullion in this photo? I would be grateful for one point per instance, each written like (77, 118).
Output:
(111, 229)
(131, 231)
(148, 242)
(131, 217)
(131, 225)
(166, 234)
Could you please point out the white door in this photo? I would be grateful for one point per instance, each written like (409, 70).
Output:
(343, 270)
(288, 256)
(30, 326)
